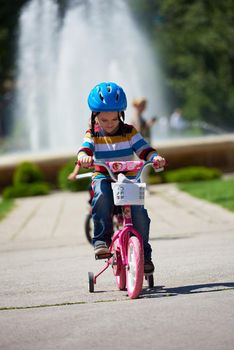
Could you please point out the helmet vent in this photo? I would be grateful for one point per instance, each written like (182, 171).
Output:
(108, 88)
(101, 96)
(117, 95)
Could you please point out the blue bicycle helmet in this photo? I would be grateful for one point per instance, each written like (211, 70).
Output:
(107, 97)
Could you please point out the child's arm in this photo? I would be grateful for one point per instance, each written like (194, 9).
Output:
(145, 151)
(72, 176)
(85, 153)
(85, 162)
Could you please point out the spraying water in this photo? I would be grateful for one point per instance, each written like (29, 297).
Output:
(61, 59)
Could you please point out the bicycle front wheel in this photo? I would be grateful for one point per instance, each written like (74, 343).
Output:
(135, 271)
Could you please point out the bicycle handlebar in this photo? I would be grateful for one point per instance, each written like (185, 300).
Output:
(118, 166)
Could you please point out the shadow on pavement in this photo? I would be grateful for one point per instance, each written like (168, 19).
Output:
(161, 291)
(167, 238)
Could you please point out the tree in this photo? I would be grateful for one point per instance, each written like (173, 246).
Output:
(195, 39)
(9, 12)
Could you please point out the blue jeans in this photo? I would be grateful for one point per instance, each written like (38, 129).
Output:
(102, 211)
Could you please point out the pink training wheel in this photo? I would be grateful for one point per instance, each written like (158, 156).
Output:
(150, 280)
(91, 282)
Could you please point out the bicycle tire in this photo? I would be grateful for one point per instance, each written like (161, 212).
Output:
(135, 271)
(89, 228)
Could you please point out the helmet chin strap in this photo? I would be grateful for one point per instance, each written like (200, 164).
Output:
(122, 116)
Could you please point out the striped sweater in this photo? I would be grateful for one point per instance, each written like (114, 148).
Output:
(122, 145)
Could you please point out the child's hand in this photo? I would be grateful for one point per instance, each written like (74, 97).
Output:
(86, 161)
(159, 162)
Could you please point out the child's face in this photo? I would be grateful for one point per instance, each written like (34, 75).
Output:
(109, 121)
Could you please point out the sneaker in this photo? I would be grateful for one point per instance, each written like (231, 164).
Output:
(148, 266)
(101, 248)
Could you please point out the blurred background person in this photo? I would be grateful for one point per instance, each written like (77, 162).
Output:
(177, 121)
(143, 125)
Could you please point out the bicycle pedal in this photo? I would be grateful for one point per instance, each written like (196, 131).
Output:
(103, 256)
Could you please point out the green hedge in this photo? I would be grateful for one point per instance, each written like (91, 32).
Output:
(28, 180)
(74, 186)
(193, 173)
(27, 173)
(186, 174)
(26, 190)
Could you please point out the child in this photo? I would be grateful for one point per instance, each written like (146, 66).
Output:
(113, 140)
(141, 124)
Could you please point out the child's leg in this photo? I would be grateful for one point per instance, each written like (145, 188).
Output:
(141, 222)
(102, 209)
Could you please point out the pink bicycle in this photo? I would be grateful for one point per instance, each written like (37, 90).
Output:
(126, 250)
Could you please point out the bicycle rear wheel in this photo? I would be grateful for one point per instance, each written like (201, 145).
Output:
(121, 279)
(118, 269)
(135, 272)
(89, 228)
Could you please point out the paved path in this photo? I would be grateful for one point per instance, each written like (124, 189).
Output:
(44, 259)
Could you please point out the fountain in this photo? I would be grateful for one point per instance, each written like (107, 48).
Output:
(61, 58)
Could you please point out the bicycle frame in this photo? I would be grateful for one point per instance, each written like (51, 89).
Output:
(122, 235)
(127, 229)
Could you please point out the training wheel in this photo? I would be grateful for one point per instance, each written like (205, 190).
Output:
(91, 282)
(150, 280)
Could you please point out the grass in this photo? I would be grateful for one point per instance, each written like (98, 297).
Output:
(5, 206)
(219, 191)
